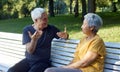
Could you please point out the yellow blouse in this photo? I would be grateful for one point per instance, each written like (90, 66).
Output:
(96, 45)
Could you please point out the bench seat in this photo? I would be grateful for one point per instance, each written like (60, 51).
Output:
(12, 51)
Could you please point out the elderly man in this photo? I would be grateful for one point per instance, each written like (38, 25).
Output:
(37, 37)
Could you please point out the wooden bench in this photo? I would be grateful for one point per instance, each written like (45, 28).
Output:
(12, 51)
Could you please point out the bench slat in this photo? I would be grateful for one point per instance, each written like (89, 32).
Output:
(11, 54)
(13, 36)
(62, 53)
(73, 41)
(114, 51)
(113, 67)
(112, 45)
(112, 61)
(7, 61)
(108, 70)
(113, 56)
(17, 48)
(56, 64)
(10, 41)
(12, 45)
(3, 68)
(60, 61)
(12, 51)
(61, 57)
(63, 49)
(64, 45)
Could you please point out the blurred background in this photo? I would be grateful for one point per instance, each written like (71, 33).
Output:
(15, 14)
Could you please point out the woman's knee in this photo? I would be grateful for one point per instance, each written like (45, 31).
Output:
(50, 70)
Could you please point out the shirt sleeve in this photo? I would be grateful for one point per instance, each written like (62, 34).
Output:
(26, 37)
(55, 29)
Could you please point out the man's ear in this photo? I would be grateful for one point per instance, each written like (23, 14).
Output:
(35, 20)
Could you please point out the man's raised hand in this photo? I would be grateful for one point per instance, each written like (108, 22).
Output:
(36, 35)
(63, 34)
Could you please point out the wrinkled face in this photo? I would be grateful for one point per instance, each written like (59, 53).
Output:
(41, 22)
(85, 28)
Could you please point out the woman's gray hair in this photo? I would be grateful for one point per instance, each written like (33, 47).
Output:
(93, 20)
(36, 13)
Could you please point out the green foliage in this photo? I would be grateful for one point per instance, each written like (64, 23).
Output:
(20, 8)
(60, 7)
(102, 3)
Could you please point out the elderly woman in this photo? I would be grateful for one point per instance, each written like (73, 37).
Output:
(38, 37)
(90, 52)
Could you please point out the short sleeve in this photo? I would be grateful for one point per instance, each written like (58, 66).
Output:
(25, 38)
(97, 45)
(55, 29)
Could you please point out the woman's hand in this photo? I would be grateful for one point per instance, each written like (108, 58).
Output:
(67, 66)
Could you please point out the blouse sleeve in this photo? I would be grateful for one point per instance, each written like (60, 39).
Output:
(98, 46)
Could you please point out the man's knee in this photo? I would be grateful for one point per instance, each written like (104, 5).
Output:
(11, 70)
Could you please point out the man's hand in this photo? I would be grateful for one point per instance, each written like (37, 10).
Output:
(36, 35)
(63, 34)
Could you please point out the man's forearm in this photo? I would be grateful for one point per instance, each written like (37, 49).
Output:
(31, 46)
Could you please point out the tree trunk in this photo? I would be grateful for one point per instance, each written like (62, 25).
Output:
(91, 6)
(71, 1)
(83, 8)
(76, 8)
(51, 8)
(119, 1)
(114, 8)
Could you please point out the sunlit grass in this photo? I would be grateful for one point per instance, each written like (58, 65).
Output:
(111, 34)
(110, 31)
(14, 25)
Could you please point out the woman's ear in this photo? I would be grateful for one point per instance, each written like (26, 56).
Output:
(92, 28)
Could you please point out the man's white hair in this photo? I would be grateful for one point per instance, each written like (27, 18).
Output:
(36, 13)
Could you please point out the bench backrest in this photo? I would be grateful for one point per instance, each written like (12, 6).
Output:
(12, 51)
(10, 44)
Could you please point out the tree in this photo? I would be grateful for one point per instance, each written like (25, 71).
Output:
(40, 3)
(76, 8)
(51, 8)
(91, 6)
(25, 10)
(114, 8)
(102, 4)
(84, 11)
(71, 1)
(60, 7)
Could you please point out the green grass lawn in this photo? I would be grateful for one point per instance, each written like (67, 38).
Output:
(110, 32)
